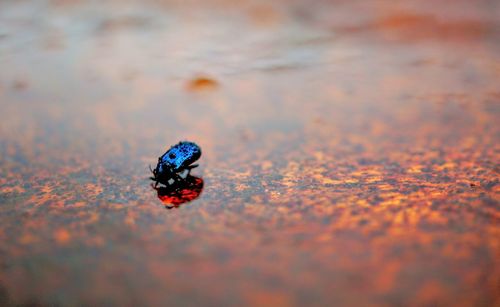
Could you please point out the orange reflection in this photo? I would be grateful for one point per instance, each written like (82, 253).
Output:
(180, 192)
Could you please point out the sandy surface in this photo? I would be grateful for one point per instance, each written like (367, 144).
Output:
(350, 153)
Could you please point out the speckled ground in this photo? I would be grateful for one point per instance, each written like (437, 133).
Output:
(350, 153)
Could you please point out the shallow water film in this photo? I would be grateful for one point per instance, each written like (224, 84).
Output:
(351, 153)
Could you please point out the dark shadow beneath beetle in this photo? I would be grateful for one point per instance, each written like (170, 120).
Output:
(180, 192)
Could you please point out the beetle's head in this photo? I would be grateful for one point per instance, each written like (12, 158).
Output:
(162, 169)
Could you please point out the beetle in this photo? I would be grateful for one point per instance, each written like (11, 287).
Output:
(173, 163)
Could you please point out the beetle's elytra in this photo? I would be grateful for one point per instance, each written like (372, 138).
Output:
(176, 161)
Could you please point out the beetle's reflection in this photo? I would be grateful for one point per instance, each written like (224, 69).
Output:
(180, 192)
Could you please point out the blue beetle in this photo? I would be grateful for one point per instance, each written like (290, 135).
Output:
(175, 161)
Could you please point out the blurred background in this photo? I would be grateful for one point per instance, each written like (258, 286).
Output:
(350, 152)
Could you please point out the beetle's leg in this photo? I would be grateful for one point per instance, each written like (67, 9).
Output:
(189, 168)
(154, 185)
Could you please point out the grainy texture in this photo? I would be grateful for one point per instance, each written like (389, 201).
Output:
(350, 153)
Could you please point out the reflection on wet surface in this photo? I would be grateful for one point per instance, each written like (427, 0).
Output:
(350, 153)
(180, 192)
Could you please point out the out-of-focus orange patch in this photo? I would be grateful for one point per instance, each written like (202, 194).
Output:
(202, 83)
(62, 236)
(266, 165)
(269, 298)
(264, 15)
(405, 19)
(27, 238)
